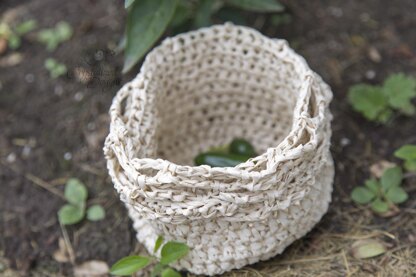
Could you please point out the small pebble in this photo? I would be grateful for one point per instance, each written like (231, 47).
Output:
(11, 158)
(79, 96)
(370, 74)
(67, 156)
(344, 142)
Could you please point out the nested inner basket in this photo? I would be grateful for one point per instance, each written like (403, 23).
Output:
(215, 90)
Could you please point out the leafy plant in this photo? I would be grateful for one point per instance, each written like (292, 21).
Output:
(170, 252)
(149, 19)
(377, 103)
(55, 68)
(54, 36)
(383, 194)
(74, 211)
(408, 154)
(13, 36)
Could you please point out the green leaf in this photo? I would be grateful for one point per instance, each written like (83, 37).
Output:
(397, 195)
(258, 5)
(129, 265)
(183, 13)
(63, 31)
(392, 177)
(75, 191)
(25, 27)
(128, 3)
(169, 272)
(70, 214)
(372, 185)
(379, 206)
(368, 100)
(158, 243)
(406, 152)
(399, 90)
(410, 165)
(157, 270)
(146, 22)
(362, 195)
(203, 13)
(95, 213)
(14, 41)
(368, 248)
(173, 251)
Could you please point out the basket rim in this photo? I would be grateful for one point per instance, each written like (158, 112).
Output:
(285, 150)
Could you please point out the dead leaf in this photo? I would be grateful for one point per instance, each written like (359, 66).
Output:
(61, 255)
(377, 169)
(92, 268)
(367, 248)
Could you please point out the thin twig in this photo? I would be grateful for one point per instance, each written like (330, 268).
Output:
(68, 244)
(347, 267)
(44, 185)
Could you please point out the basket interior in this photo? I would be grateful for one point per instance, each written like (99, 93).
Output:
(214, 90)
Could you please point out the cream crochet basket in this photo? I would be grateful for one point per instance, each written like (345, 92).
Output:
(202, 89)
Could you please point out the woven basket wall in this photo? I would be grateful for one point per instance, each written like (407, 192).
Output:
(202, 89)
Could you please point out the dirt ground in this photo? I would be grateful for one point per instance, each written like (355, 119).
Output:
(51, 130)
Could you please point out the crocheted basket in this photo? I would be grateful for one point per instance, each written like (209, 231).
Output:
(202, 89)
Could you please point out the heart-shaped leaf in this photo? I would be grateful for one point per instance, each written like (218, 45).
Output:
(379, 206)
(368, 248)
(75, 192)
(70, 214)
(392, 177)
(362, 195)
(397, 195)
(95, 213)
(129, 265)
(173, 251)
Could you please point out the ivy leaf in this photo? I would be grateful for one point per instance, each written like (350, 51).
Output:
(392, 177)
(169, 272)
(399, 90)
(369, 101)
(397, 195)
(362, 195)
(146, 22)
(372, 185)
(367, 248)
(95, 213)
(75, 192)
(173, 251)
(257, 5)
(129, 265)
(158, 243)
(406, 152)
(70, 214)
(379, 206)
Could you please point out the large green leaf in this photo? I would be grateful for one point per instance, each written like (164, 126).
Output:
(129, 265)
(406, 152)
(75, 192)
(258, 5)
(397, 195)
(369, 100)
(362, 195)
(392, 177)
(146, 22)
(173, 251)
(70, 214)
(399, 90)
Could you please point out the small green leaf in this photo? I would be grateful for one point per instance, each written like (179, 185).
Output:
(397, 195)
(368, 100)
(146, 22)
(373, 186)
(169, 272)
(128, 3)
(258, 5)
(70, 214)
(14, 41)
(158, 243)
(75, 191)
(368, 248)
(406, 152)
(63, 31)
(173, 251)
(379, 206)
(26, 27)
(129, 265)
(399, 90)
(95, 213)
(392, 177)
(410, 165)
(362, 195)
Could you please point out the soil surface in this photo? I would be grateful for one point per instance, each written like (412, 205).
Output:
(53, 129)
